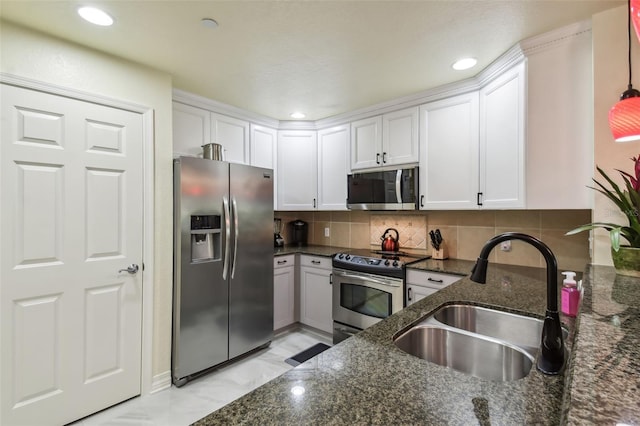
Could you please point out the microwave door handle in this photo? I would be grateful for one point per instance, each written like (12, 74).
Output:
(399, 186)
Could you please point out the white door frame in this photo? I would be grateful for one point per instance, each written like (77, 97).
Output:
(146, 381)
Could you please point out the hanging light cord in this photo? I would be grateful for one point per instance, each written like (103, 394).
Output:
(629, 38)
(630, 92)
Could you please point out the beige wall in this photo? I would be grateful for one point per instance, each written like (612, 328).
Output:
(610, 80)
(465, 232)
(39, 57)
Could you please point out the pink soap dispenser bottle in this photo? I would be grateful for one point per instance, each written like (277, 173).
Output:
(570, 295)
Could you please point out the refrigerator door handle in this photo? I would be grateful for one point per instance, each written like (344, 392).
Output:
(227, 237)
(234, 210)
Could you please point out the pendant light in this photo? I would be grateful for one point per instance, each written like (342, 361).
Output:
(624, 117)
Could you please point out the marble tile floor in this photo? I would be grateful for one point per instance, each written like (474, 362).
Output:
(198, 398)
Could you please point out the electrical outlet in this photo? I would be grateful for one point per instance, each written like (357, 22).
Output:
(505, 245)
(326, 232)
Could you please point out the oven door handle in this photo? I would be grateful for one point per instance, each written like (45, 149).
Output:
(371, 279)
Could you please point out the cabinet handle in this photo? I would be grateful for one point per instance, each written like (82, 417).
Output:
(435, 281)
(384, 157)
(378, 158)
(330, 278)
(316, 262)
(409, 294)
(479, 201)
(281, 262)
(314, 203)
(422, 201)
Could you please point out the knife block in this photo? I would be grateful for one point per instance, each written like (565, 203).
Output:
(440, 254)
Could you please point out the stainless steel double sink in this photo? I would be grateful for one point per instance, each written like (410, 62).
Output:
(483, 342)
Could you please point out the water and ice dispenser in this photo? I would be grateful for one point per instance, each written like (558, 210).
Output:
(205, 238)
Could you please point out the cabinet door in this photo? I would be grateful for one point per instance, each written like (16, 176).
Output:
(449, 154)
(283, 296)
(263, 141)
(297, 170)
(502, 115)
(366, 143)
(315, 298)
(333, 166)
(400, 137)
(191, 130)
(233, 135)
(418, 292)
(421, 284)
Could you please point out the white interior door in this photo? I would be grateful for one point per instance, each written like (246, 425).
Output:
(70, 219)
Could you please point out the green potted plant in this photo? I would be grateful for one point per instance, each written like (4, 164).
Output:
(626, 258)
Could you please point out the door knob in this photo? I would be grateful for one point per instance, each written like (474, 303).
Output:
(132, 269)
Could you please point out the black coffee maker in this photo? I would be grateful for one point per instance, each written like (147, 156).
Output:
(298, 232)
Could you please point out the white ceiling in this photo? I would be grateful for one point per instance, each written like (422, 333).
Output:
(321, 57)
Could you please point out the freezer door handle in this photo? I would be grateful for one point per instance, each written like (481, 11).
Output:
(227, 237)
(234, 212)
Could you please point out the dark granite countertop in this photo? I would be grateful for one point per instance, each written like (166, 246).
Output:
(367, 380)
(605, 370)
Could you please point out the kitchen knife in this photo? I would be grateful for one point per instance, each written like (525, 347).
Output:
(434, 241)
(438, 238)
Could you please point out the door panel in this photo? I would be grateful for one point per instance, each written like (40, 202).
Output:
(71, 195)
(251, 280)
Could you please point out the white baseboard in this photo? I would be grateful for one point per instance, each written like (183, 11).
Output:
(160, 382)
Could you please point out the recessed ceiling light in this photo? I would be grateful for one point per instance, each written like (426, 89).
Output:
(464, 64)
(96, 16)
(297, 115)
(209, 23)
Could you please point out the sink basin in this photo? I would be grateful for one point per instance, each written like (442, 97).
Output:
(472, 354)
(519, 330)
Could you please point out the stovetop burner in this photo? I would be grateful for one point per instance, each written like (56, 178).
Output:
(376, 262)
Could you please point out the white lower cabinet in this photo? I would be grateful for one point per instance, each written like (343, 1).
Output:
(315, 292)
(421, 284)
(284, 301)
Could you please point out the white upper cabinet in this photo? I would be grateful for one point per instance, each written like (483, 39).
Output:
(312, 169)
(333, 167)
(449, 154)
(191, 130)
(233, 135)
(400, 137)
(263, 146)
(263, 141)
(502, 140)
(366, 143)
(473, 147)
(297, 177)
(387, 140)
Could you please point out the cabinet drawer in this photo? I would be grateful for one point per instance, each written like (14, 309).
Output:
(315, 261)
(431, 279)
(283, 261)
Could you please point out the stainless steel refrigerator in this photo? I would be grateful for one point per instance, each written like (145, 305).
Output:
(223, 263)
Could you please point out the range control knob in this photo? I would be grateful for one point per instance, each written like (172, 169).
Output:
(348, 257)
(340, 256)
(395, 263)
(386, 262)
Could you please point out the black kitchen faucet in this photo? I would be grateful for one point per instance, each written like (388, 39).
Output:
(552, 352)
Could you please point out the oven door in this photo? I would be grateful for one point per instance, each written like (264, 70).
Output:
(361, 300)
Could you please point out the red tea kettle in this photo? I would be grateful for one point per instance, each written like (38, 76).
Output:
(388, 242)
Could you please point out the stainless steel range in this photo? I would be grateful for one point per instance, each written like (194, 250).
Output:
(367, 287)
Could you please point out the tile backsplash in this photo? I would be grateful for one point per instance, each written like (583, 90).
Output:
(412, 230)
(464, 232)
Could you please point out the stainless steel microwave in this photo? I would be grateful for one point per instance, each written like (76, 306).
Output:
(383, 190)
